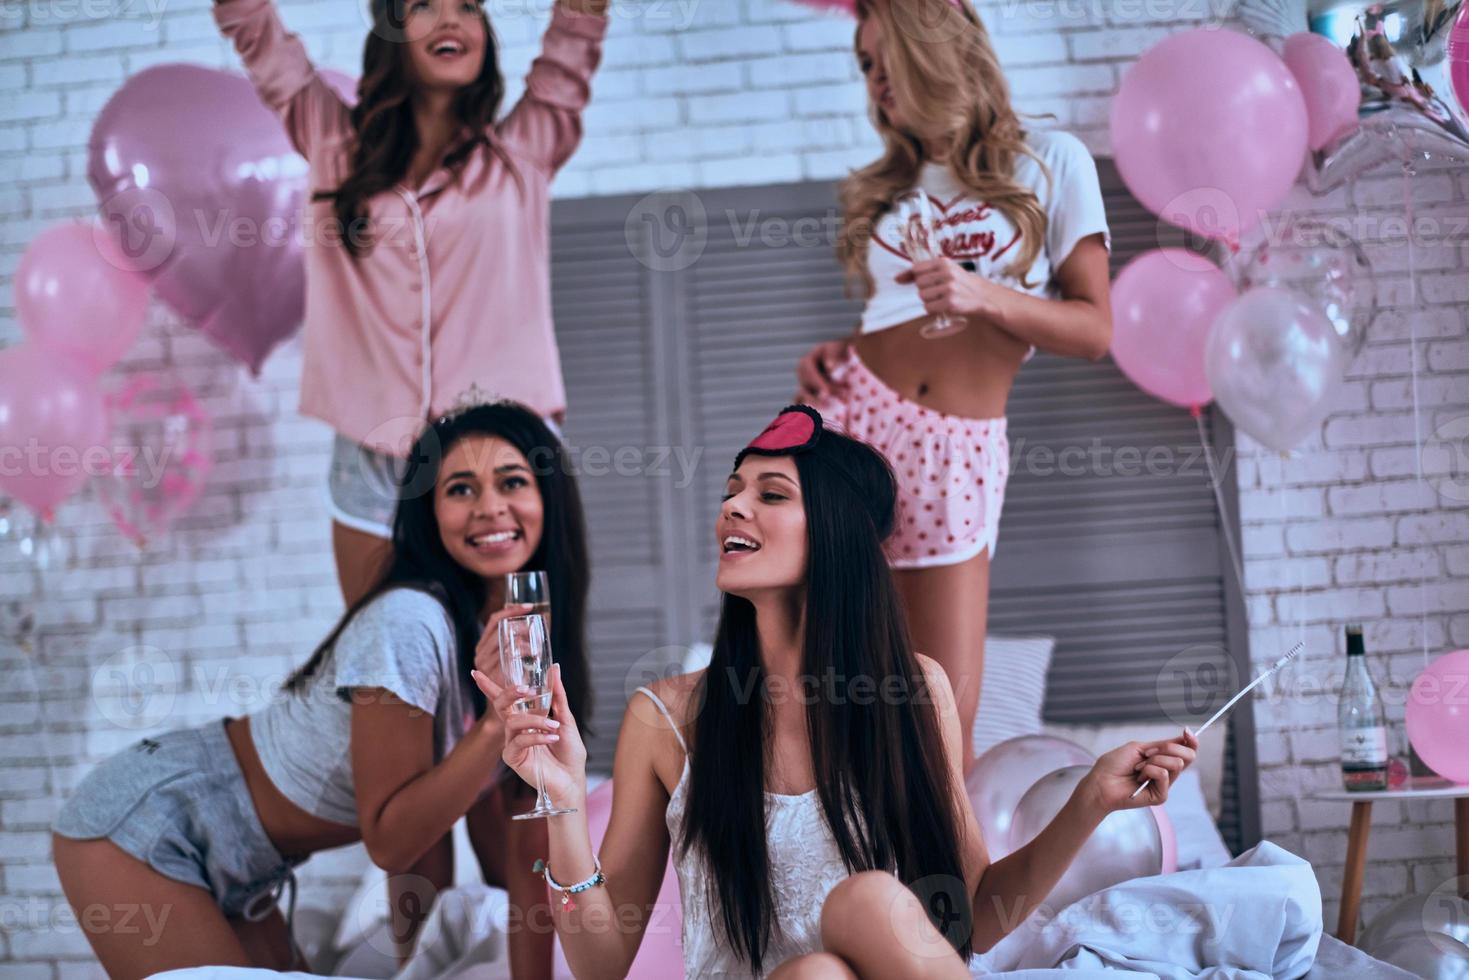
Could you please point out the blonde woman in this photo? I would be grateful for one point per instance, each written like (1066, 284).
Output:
(1021, 225)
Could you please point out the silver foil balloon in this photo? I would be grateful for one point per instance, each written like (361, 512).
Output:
(1430, 957)
(1274, 361)
(1002, 774)
(1126, 845)
(1319, 262)
(1436, 915)
(1403, 117)
(1391, 44)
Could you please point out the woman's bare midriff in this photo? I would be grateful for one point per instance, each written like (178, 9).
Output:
(293, 831)
(968, 373)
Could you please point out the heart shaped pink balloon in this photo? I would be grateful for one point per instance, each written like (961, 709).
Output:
(202, 191)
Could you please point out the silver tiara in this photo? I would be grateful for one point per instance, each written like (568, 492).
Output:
(472, 397)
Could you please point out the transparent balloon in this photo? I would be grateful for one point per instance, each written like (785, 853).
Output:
(1322, 264)
(1274, 362)
(1002, 774)
(160, 456)
(1126, 845)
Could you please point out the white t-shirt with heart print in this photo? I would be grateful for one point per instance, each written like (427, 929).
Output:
(970, 230)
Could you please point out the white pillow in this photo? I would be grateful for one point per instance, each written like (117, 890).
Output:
(1014, 689)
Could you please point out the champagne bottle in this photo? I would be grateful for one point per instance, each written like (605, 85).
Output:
(1362, 722)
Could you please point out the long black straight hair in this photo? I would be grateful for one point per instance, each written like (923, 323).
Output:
(420, 561)
(880, 762)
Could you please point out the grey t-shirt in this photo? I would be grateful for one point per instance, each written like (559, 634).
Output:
(403, 642)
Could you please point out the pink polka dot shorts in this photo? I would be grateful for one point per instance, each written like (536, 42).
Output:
(951, 471)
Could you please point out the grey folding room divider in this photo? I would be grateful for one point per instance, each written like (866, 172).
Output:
(680, 317)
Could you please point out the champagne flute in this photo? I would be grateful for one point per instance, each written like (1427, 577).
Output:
(525, 658)
(919, 233)
(529, 589)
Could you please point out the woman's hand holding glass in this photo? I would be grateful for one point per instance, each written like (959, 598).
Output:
(563, 756)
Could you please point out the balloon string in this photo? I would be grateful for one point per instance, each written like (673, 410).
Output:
(1298, 580)
(1234, 562)
(1413, 369)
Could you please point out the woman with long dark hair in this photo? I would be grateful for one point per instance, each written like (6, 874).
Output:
(379, 737)
(809, 779)
(1021, 233)
(427, 241)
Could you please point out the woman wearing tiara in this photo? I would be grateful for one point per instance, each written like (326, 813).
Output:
(808, 781)
(380, 737)
(1018, 220)
(427, 231)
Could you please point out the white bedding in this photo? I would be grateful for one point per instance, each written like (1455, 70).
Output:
(1257, 917)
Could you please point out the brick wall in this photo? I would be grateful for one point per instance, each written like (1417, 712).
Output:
(694, 94)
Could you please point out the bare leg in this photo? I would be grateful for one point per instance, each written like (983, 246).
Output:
(507, 849)
(877, 926)
(138, 921)
(268, 943)
(948, 613)
(362, 559)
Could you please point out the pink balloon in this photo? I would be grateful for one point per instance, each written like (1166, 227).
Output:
(1163, 304)
(161, 456)
(76, 297)
(1438, 715)
(1000, 777)
(661, 952)
(1328, 84)
(1458, 51)
(203, 191)
(1209, 131)
(53, 428)
(1169, 838)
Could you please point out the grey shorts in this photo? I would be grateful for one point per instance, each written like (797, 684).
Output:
(178, 802)
(362, 485)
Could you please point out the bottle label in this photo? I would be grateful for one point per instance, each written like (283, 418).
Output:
(1364, 748)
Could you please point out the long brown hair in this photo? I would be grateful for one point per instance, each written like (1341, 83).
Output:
(947, 80)
(384, 134)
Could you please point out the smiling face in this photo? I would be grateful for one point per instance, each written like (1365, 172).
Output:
(488, 506)
(872, 60)
(761, 531)
(446, 42)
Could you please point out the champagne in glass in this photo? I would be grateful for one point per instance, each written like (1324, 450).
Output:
(529, 589)
(525, 658)
(919, 232)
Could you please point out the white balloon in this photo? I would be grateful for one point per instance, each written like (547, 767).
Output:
(1000, 777)
(1431, 957)
(1441, 912)
(1126, 845)
(1274, 361)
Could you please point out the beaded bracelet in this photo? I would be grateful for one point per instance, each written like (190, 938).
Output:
(597, 878)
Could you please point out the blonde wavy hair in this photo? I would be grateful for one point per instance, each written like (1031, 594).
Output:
(946, 80)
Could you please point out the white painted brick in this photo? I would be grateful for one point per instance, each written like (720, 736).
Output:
(1330, 537)
(825, 100)
(1435, 597)
(1382, 497)
(29, 105)
(1426, 322)
(718, 77)
(1114, 43)
(1433, 528)
(77, 69)
(791, 70)
(724, 43)
(1337, 605)
(1357, 431)
(1383, 567)
(745, 107)
(1398, 392)
(773, 169)
(1450, 356)
(827, 34)
(1068, 79)
(116, 33)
